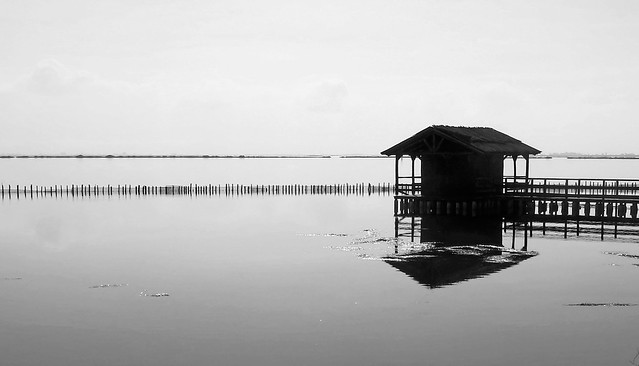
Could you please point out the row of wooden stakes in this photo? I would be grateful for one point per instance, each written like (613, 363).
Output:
(82, 190)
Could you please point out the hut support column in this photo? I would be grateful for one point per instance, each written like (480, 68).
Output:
(397, 157)
(529, 210)
(412, 175)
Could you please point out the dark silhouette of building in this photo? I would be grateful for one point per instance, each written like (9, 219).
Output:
(457, 190)
(458, 162)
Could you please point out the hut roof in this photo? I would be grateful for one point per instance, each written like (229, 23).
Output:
(484, 140)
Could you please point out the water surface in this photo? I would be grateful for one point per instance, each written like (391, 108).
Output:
(283, 280)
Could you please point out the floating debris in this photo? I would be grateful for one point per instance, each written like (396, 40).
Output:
(368, 257)
(158, 294)
(603, 304)
(370, 236)
(623, 254)
(345, 248)
(502, 259)
(110, 285)
(161, 294)
(366, 235)
(323, 235)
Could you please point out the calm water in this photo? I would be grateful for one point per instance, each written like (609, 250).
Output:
(285, 280)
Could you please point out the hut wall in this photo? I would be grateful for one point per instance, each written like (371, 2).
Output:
(459, 176)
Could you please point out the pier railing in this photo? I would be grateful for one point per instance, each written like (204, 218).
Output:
(550, 187)
(408, 185)
(577, 204)
(574, 187)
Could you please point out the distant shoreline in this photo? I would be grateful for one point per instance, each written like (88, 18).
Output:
(603, 157)
(204, 156)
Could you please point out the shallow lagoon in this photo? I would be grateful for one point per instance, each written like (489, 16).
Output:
(285, 280)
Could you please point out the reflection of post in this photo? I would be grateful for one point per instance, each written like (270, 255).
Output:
(396, 223)
(525, 247)
(412, 228)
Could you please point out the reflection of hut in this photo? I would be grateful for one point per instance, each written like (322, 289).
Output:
(439, 267)
(457, 162)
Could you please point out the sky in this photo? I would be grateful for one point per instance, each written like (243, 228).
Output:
(314, 77)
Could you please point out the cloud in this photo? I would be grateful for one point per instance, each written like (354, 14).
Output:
(60, 109)
(53, 78)
(326, 96)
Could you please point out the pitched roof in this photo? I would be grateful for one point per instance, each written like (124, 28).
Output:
(484, 140)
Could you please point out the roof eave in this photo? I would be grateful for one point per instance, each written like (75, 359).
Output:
(400, 149)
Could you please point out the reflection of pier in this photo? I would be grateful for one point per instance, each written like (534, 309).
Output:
(460, 174)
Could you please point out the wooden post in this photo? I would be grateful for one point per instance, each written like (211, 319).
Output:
(412, 175)
(616, 214)
(397, 157)
(564, 209)
(603, 204)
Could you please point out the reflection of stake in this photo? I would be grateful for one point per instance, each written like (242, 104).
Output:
(634, 360)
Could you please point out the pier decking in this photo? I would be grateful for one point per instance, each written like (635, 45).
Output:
(564, 204)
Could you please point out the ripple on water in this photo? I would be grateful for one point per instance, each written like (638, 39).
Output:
(623, 254)
(108, 285)
(602, 304)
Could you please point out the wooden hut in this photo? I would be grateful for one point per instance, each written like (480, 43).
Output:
(457, 163)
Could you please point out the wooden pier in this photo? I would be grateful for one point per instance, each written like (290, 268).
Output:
(580, 205)
(547, 204)
(88, 190)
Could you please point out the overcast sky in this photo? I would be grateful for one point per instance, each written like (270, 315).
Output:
(345, 76)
